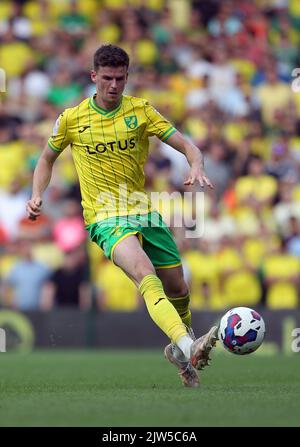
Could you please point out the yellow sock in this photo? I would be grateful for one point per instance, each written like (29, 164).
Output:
(160, 309)
(181, 304)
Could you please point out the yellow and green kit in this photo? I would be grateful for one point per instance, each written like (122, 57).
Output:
(109, 149)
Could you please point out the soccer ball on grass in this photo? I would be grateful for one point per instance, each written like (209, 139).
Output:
(241, 330)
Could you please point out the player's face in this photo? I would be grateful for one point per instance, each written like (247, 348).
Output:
(110, 83)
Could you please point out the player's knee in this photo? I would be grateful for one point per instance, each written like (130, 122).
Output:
(143, 269)
(177, 290)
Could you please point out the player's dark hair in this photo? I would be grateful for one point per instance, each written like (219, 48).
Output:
(110, 56)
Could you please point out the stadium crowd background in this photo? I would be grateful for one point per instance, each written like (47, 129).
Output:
(221, 72)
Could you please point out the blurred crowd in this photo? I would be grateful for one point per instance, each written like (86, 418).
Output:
(221, 71)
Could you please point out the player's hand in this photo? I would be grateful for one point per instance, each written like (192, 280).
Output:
(33, 208)
(197, 174)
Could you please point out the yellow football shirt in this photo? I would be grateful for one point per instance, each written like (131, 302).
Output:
(109, 150)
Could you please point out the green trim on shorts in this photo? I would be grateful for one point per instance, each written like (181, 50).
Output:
(155, 237)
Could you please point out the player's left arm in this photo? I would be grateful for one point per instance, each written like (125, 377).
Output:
(194, 158)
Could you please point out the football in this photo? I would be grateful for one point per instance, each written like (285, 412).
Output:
(241, 330)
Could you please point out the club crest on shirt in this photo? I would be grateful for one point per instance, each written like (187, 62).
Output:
(131, 121)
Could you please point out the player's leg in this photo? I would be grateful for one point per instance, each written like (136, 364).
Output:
(131, 258)
(177, 291)
(160, 246)
(118, 238)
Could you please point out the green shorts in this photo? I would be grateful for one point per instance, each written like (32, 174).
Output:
(155, 237)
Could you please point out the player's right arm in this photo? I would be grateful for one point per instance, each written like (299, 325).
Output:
(42, 173)
(41, 179)
(162, 128)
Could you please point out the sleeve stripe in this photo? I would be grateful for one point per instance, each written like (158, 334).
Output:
(168, 133)
(51, 145)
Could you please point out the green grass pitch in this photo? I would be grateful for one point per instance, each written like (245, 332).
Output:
(140, 388)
